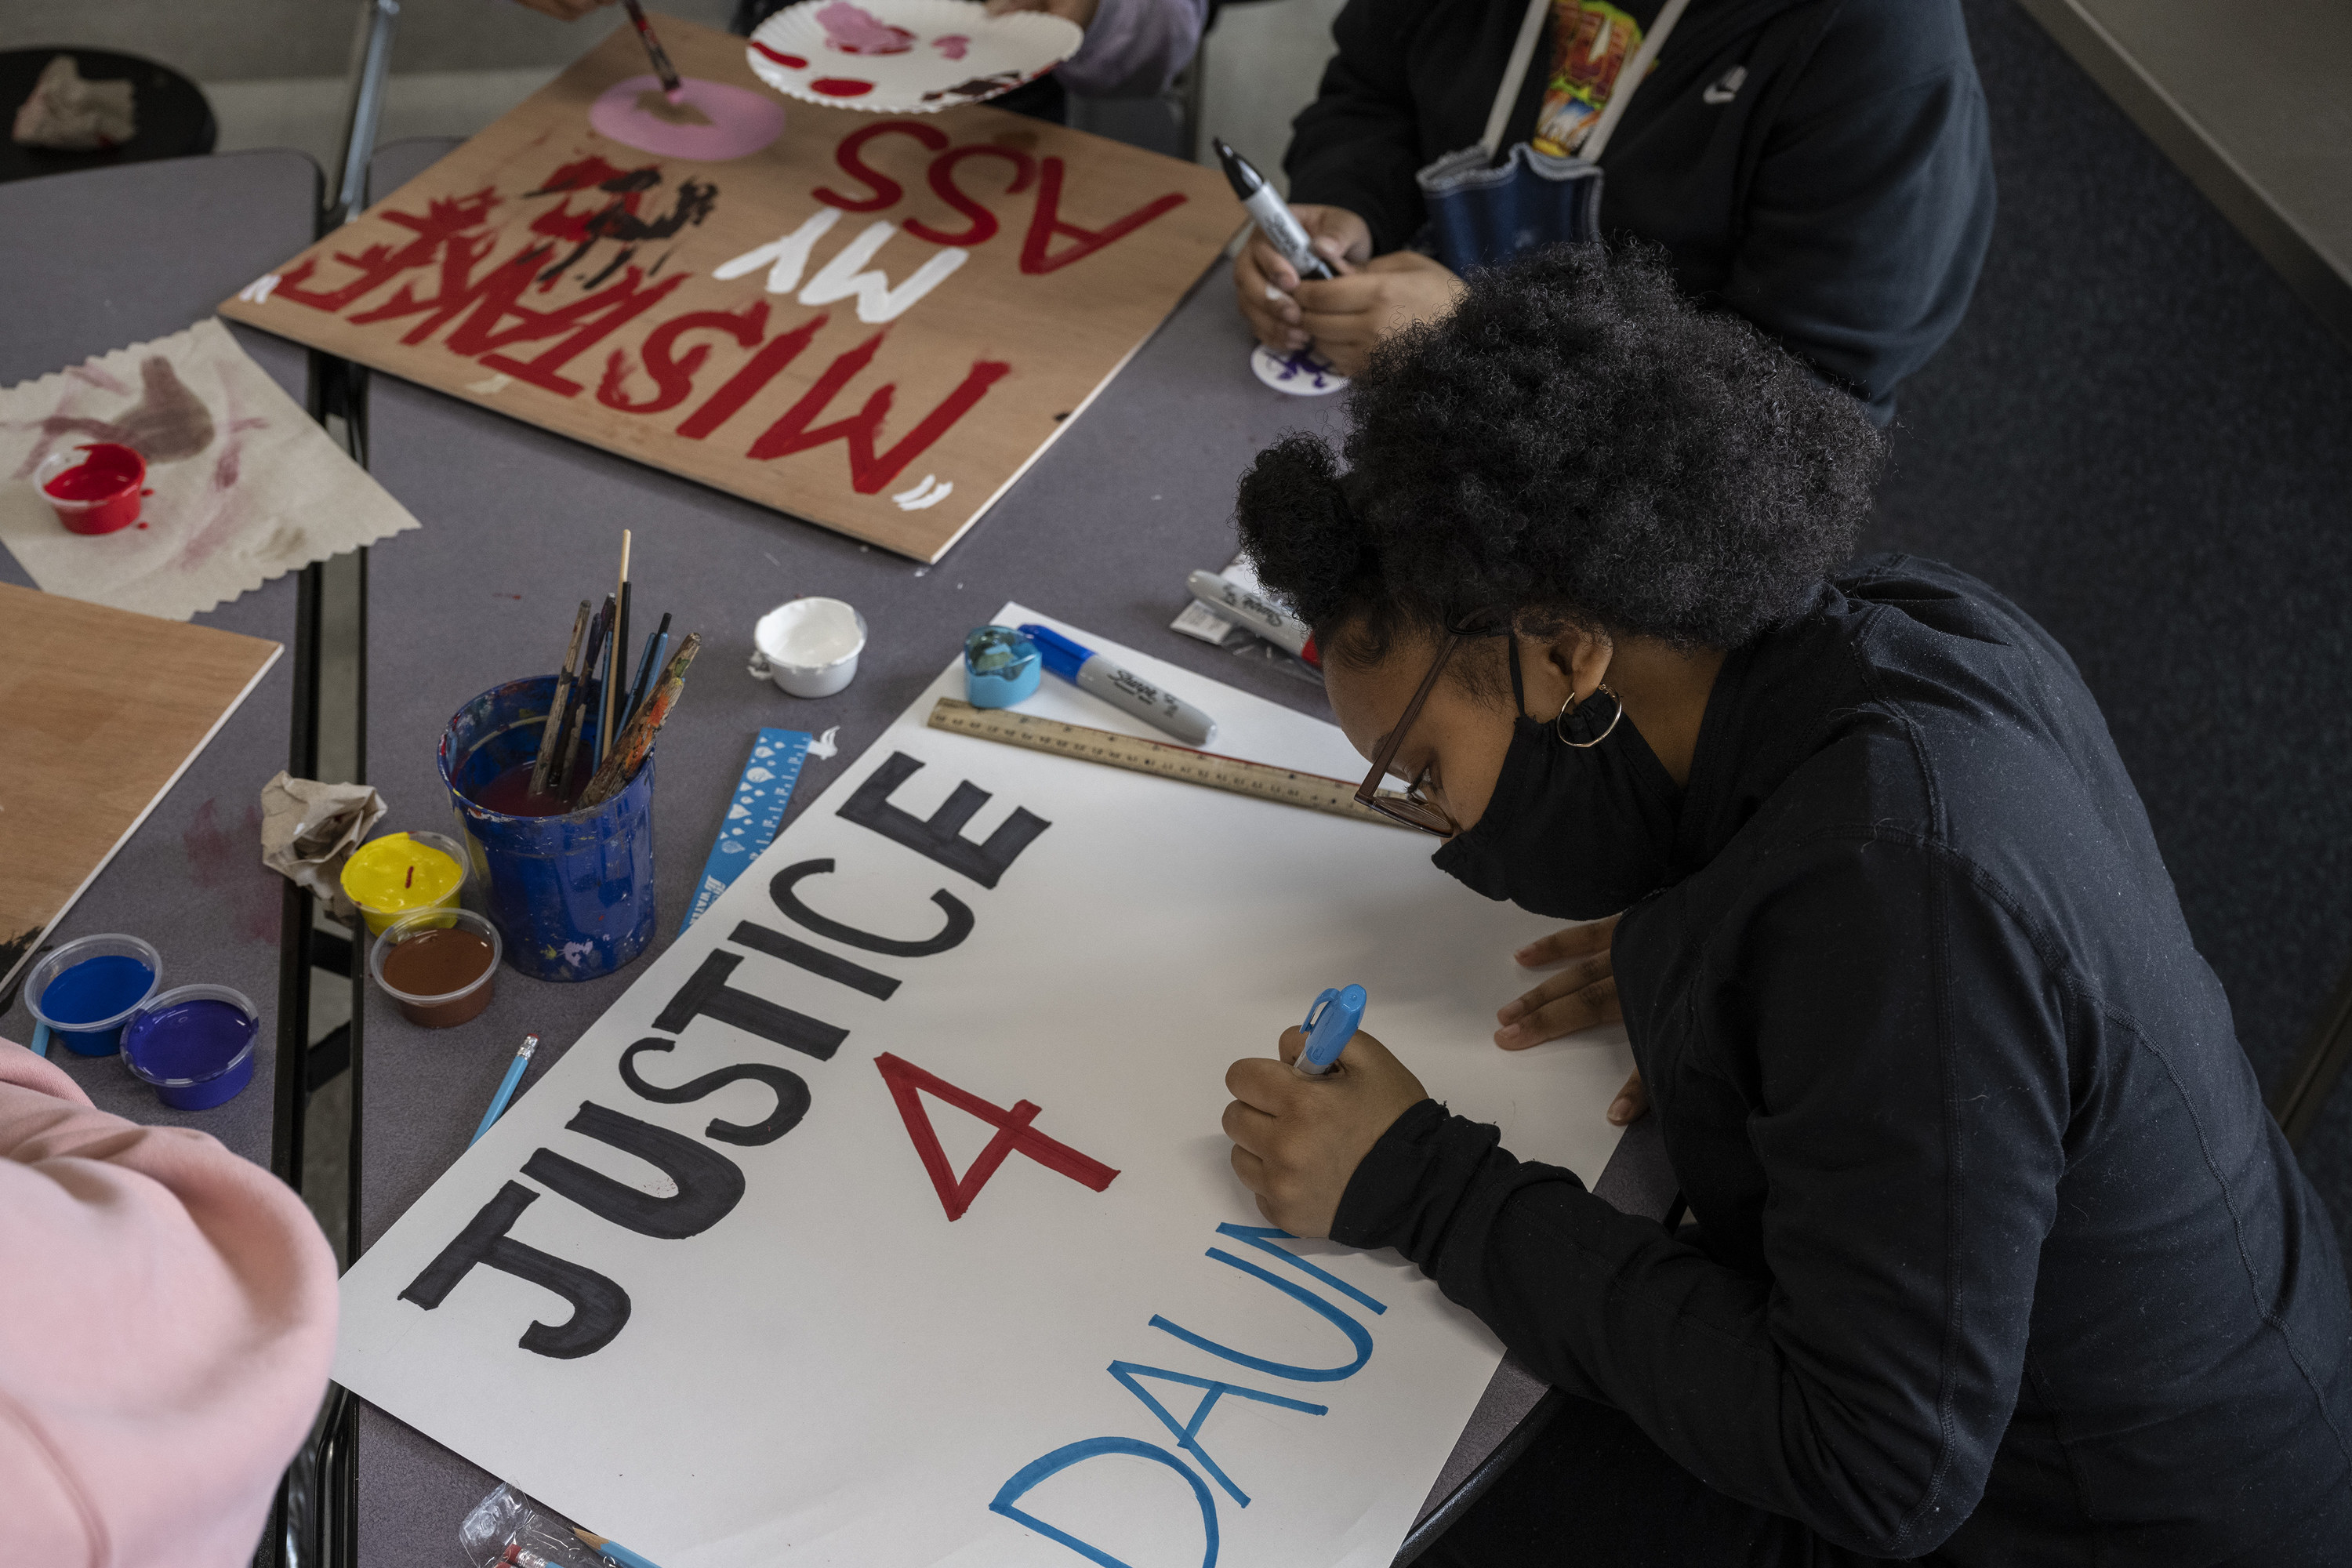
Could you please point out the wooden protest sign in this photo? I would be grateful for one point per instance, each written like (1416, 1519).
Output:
(872, 321)
(886, 1218)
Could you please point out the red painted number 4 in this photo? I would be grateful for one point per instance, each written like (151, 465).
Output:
(909, 1083)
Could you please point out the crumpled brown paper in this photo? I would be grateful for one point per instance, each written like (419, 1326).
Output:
(68, 115)
(309, 830)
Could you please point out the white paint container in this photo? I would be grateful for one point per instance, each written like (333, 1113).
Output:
(809, 647)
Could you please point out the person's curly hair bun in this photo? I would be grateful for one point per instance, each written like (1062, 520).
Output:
(1575, 442)
(1311, 543)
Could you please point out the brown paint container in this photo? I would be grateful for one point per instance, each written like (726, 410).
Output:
(440, 966)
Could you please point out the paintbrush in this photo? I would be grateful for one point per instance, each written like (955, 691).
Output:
(656, 648)
(576, 720)
(672, 89)
(616, 654)
(620, 765)
(554, 730)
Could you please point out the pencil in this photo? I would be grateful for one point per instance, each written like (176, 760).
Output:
(672, 89)
(506, 1088)
(548, 737)
(621, 765)
(611, 1550)
(616, 654)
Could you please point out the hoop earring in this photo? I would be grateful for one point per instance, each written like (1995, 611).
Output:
(1559, 720)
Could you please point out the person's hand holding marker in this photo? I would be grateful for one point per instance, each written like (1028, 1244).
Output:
(1347, 317)
(1582, 995)
(1265, 282)
(1302, 1124)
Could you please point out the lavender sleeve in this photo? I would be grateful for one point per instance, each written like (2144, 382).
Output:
(1135, 47)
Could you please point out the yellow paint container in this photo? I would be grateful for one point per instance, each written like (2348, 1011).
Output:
(403, 873)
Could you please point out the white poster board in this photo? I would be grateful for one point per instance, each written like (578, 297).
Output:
(814, 1364)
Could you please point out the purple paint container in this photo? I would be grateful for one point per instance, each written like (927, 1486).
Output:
(195, 1044)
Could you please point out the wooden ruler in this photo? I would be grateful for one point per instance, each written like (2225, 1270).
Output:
(1283, 785)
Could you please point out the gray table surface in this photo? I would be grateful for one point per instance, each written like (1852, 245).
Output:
(97, 261)
(519, 525)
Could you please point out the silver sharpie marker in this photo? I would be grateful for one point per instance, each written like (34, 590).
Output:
(1090, 672)
(1272, 213)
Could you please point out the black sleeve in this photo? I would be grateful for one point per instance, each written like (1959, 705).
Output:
(1903, 1061)
(1358, 144)
(1866, 216)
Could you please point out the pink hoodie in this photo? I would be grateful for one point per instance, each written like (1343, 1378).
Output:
(167, 1315)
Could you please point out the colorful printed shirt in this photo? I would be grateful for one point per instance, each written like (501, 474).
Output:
(1591, 41)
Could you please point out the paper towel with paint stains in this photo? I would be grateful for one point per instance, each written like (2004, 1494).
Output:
(243, 485)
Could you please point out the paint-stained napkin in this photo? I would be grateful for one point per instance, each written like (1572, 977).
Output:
(309, 830)
(243, 485)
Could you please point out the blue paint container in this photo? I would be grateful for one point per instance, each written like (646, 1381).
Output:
(87, 989)
(573, 896)
(195, 1044)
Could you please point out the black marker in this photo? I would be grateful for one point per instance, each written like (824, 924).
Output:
(1272, 213)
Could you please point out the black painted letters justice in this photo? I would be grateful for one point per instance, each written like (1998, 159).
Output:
(709, 1183)
(792, 1094)
(815, 960)
(707, 994)
(780, 890)
(599, 1306)
(941, 839)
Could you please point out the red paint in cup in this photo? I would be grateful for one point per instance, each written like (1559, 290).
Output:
(98, 493)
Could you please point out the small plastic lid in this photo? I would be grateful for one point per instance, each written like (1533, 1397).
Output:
(416, 924)
(441, 841)
(108, 944)
(173, 998)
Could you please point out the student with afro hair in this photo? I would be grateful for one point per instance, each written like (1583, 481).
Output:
(1996, 1256)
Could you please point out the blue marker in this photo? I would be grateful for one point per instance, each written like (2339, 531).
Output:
(1089, 671)
(1330, 1025)
(506, 1088)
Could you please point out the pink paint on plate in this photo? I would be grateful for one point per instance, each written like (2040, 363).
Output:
(854, 30)
(741, 121)
(952, 45)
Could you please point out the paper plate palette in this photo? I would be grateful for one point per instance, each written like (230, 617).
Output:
(906, 57)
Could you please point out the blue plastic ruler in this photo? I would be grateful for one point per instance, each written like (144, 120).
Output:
(761, 796)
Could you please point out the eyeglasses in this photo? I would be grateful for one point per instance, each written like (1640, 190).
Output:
(1413, 808)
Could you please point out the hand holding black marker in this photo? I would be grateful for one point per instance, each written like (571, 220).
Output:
(1271, 214)
(1090, 672)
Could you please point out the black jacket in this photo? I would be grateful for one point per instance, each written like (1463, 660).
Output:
(2002, 1252)
(1840, 199)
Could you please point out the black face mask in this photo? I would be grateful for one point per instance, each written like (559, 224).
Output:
(1573, 832)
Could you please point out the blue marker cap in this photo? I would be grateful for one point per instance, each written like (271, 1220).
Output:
(1062, 656)
(1330, 1025)
(999, 667)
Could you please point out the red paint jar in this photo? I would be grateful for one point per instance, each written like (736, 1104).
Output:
(96, 493)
